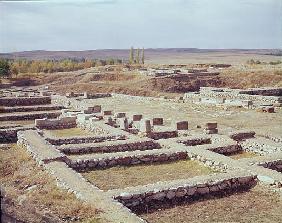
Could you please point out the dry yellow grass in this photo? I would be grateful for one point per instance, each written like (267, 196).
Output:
(69, 132)
(257, 205)
(121, 177)
(32, 195)
(243, 155)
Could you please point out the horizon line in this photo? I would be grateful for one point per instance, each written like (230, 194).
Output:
(149, 48)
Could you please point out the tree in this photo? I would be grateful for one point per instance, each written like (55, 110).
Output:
(131, 55)
(138, 56)
(5, 69)
(143, 56)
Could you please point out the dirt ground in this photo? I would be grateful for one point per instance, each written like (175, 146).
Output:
(227, 118)
(121, 177)
(257, 205)
(31, 195)
(68, 132)
(98, 80)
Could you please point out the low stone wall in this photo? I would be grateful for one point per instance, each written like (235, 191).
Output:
(86, 95)
(24, 101)
(127, 159)
(61, 123)
(9, 135)
(194, 141)
(263, 91)
(162, 135)
(141, 98)
(232, 94)
(107, 147)
(29, 116)
(218, 144)
(78, 140)
(29, 108)
(241, 135)
(260, 146)
(149, 195)
(40, 149)
(227, 149)
(273, 138)
(274, 165)
(76, 103)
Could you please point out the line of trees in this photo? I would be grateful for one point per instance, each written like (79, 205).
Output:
(5, 68)
(135, 57)
(11, 66)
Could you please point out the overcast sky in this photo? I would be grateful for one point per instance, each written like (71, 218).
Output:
(108, 24)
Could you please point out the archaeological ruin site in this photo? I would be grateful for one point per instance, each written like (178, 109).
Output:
(140, 111)
(150, 159)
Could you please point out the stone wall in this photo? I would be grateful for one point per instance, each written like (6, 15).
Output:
(60, 123)
(141, 196)
(80, 139)
(242, 135)
(9, 135)
(42, 151)
(126, 159)
(24, 101)
(274, 165)
(193, 141)
(236, 95)
(110, 146)
(261, 145)
(29, 108)
(162, 135)
(29, 116)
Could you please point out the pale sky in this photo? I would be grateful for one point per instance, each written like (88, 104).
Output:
(110, 24)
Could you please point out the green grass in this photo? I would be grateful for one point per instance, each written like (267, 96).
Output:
(121, 177)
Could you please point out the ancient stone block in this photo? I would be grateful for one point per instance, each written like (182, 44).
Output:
(123, 123)
(136, 117)
(183, 125)
(107, 112)
(120, 115)
(211, 125)
(145, 126)
(158, 121)
(85, 95)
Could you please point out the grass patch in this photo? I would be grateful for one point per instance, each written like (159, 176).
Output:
(32, 195)
(69, 132)
(19, 122)
(256, 205)
(121, 177)
(242, 155)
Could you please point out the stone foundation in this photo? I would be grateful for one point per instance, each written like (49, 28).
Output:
(29, 116)
(110, 146)
(24, 101)
(61, 123)
(79, 140)
(198, 186)
(9, 135)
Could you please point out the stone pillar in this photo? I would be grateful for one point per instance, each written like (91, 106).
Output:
(145, 126)
(85, 95)
(110, 121)
(211, 128)
(124, 123)
(97, 108)
(183, 125)
(158, 121)
(136, 118)
(107, 112)
(120, 115)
